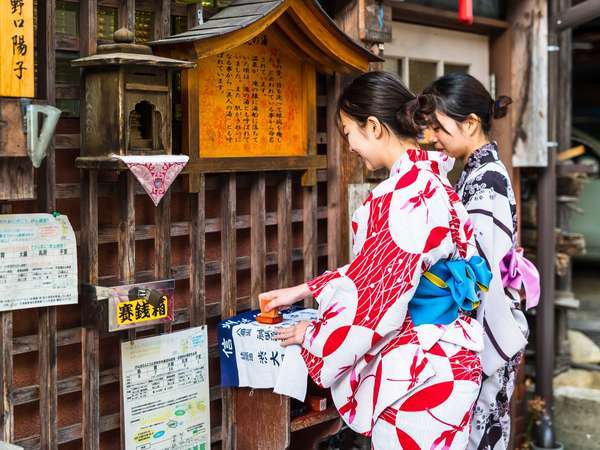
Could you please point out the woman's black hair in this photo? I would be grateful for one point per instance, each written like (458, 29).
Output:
(381, 95)
(459, 95)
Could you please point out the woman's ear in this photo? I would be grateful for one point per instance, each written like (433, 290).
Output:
(374, 127)
(472, 124)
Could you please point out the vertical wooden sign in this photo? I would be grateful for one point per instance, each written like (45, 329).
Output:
(16, 48)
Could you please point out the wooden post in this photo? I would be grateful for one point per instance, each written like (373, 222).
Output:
(228, 296)
(198, 253)
(46, 195)
(162, 19)
(162, 246)
(126, 245)
(192, 15)
(7, 419)
(573, 16)
(334, 148)
(90, 339)
(284, 231)
(162, 240)
(257, 238)
(546, 189)
(564, 283)
(127, 14)
(126, 238)
(309, 232)
(88, 13)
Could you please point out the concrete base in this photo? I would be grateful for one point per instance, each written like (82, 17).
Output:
(577, 410)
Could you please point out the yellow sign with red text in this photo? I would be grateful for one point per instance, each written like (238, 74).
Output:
(16, 49)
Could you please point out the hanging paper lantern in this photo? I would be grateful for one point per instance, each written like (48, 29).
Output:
(465, 11)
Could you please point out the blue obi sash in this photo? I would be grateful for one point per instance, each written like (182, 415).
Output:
(449, 285)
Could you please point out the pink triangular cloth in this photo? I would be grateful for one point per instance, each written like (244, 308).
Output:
(155, 172)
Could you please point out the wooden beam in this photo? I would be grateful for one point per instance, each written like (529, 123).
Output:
(266, 427)
(182, 272)
(126, 234)
(162, 246)
(72, 190)
(162, 19)
(126, 253)
(127, 14)
(198, 255)
(90, 338)
(577, 15)
(88, 13)
(436, 17)
(220, 165)
(546, 191)
(73, 432)
(260, 164)
(228, 296)
(334, 149)
(46, 178)
(257, 238)
(162, 240)
(309, 235)
(90, 341)
(284, 231)
(194, 11)
(47, 368)
(7, 420)
(46, 196)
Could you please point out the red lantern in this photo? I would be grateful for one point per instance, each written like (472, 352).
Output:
(465, 11)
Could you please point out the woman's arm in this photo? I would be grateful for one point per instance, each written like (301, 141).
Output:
(284, 297)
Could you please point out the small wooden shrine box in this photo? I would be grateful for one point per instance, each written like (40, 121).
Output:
(127, 99)
(253, 91)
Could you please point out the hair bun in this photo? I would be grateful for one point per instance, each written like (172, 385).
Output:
(425, 109)
(500, 106)
(405, 117)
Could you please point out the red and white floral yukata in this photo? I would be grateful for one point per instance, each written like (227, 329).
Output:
(409, 387)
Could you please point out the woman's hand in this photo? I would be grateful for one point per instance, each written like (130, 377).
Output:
(283, 297)
(292, 335)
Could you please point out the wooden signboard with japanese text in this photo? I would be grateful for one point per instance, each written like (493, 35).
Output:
(253, 101)
(16, 48)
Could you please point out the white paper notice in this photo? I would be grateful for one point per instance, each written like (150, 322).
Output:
(38, 261)
(165, 392)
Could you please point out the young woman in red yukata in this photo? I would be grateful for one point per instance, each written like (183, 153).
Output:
(392, 341)
(459, 111)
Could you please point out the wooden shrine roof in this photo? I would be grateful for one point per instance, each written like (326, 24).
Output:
(244, 19)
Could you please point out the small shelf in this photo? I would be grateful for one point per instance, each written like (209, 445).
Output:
(313, 418)
(220, 165)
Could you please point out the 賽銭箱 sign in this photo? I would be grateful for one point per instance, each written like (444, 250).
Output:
(16, 48)
(136, 305)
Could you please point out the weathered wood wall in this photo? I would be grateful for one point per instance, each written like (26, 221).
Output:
(240, 234)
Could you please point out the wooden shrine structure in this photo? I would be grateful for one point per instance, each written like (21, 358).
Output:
(259, 209)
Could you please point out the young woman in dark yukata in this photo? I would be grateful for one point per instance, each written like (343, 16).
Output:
(459, 111)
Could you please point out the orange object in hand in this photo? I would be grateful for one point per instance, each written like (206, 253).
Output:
(270, 317)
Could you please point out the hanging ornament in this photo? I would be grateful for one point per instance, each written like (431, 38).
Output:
(465, 11)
